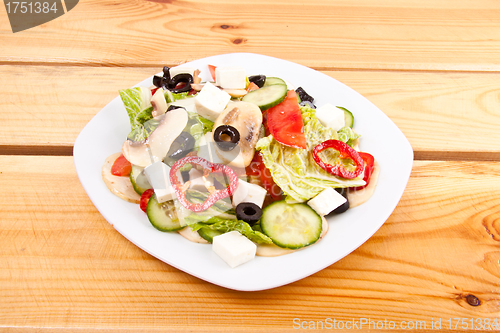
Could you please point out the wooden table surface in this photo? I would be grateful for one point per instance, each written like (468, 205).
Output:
(433, 66)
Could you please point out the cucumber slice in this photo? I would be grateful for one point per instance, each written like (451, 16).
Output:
(163, 216)
(270, 81)
(267, 96)
(138, 179)
(291, 226)
(349, 118)
(208, 234)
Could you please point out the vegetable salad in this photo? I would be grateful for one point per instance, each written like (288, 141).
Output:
(238, 153)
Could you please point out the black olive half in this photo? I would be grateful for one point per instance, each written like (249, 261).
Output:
(226, 137)
(185, 78)
(181, 146)
(248, 212)
(158, 81)
(162, 81)
(166, 73)
(303, 95)
(345, 206)
(259, 80)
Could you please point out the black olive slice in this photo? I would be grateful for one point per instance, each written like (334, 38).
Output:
(158, 81)
(303, 95)
(248, 212)
(166, 73)
(226, 137)
(345, 206)
(185, 78)
(259, 80)
(181, 146)
(185, 176)
(162, 81)
(173, 107)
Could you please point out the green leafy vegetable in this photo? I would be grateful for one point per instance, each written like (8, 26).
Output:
(295, 171)
(137, 102)
(172, 97)
(225, 225)
(222, 206)
(207, 124)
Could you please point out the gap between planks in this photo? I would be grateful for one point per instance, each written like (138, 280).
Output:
(404, 69)
(419, 155)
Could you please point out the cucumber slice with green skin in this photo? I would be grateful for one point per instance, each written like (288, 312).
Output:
(163, 215)
(270, 81)
(267, 96)
(349, 118)
(208, 234)
(291, 226)
(138, 179)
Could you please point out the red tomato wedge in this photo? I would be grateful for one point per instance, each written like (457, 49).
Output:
(211, 68)
(145, 199)
(121, 167)
(285, 122)
(252, 86)
(258, 168)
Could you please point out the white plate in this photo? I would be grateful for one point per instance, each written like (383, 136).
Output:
(105, 133)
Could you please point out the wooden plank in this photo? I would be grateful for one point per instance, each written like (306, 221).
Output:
(444, 115)
(63, 266)
(392, 34)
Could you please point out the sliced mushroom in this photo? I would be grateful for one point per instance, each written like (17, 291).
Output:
(236, 93)
(247, 119)
(159, 103)
(157, 145)
(191, 235)
(121, 186)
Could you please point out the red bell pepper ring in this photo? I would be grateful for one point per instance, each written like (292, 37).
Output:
(369, 161)
(338, 169)
(208, 167)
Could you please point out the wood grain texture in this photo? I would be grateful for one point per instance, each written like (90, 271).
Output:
(390, 34)
(444, 115)
(62, 266)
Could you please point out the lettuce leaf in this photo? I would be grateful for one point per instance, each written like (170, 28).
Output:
(226, 225)
(137, 102)
(295, 171)
(208, 125)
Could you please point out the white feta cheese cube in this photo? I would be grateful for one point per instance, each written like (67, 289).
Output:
(248, 192)
(187, 103)
(331, 116)
(158, 175)
(231, 77)
(181, 70)
(211, 101)
(234, 248)
(207, 149)
(326, 201)
(241, 193)
(196, 180)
